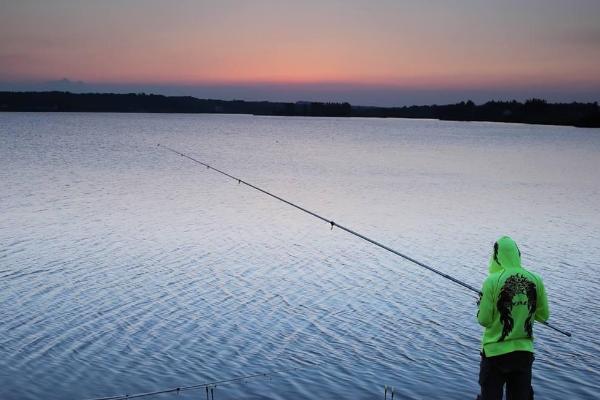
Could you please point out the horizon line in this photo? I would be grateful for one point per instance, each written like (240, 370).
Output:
(464, 101)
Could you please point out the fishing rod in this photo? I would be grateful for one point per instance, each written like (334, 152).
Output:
(350, 231)
(207, 385)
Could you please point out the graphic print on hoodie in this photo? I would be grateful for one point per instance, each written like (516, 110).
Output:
(512, 298)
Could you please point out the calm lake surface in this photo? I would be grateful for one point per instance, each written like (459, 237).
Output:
(125, 268)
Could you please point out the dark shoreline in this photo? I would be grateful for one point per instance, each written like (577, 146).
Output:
(534, 111)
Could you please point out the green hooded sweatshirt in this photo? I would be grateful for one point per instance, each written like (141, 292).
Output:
(512, 298)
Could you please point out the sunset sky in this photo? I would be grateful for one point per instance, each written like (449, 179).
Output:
(367, 52)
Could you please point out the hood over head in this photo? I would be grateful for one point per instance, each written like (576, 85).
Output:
(506, 255)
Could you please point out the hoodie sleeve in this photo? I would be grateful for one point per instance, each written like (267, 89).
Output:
(485, 315)
(542, 312)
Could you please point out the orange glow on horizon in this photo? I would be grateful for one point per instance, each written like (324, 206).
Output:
(414, 82)
(267, 42)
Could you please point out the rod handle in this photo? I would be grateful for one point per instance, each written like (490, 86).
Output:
(556, 329)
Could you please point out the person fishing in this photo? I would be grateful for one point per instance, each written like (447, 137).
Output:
(333, 224)
(512, 298)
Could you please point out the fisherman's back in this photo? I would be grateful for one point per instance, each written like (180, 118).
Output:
(512, 299)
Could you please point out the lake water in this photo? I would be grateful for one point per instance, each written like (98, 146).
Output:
(125, 268)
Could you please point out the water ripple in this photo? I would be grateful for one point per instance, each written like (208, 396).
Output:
(123, 269)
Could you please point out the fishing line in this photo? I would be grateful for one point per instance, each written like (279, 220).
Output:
(333, 224)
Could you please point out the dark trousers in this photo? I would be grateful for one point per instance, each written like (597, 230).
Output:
(512, 369)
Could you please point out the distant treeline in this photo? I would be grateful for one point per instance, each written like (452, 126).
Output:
(534, 111)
